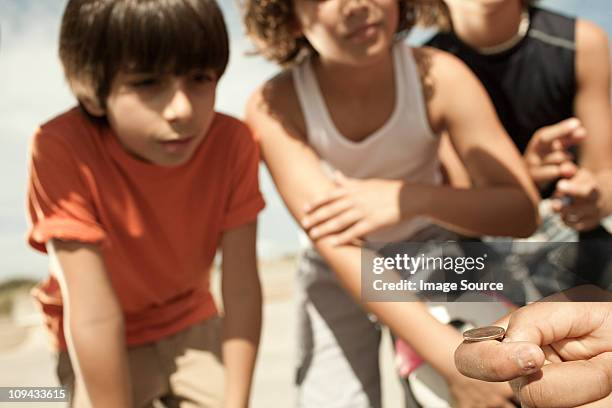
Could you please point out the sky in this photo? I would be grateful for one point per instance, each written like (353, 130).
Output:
(32, 90)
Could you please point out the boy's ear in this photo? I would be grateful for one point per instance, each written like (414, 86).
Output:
(92, 106)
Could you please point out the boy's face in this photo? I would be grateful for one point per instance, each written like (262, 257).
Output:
(348, 31)
(161, 119)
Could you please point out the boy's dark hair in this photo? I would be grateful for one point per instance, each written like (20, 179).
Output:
(101, 37)
(271, 25)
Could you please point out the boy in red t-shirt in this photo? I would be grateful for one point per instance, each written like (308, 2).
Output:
(131, 194)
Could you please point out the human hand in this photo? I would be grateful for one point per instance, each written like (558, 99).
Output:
(546, 155)
(468, 393)
(353, 209)
(555, 354)
(585, 208)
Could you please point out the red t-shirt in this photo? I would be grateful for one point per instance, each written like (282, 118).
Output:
(158, 227)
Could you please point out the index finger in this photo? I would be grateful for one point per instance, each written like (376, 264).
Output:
(544, 323)
(570, 129)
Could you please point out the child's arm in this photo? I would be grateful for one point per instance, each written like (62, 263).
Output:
(93, 323)
(298, 176)
(242, 305)
(502, 191)
(591, 186)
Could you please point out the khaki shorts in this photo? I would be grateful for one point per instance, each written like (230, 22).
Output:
(183, 370)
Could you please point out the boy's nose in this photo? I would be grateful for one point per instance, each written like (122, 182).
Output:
(179, 106)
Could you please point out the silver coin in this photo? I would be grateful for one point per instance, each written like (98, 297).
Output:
(484, 333)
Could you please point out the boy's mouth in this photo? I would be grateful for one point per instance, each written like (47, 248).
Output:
(176, 145)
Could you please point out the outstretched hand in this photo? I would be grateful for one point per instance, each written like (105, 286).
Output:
(556, 353)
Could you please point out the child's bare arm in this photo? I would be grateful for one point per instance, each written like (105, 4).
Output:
(242, 305)
(454, 173)
(500, 182)
(592, 104)
(591, 186)
(93, 323)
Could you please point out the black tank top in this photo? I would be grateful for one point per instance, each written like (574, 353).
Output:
(533, 84)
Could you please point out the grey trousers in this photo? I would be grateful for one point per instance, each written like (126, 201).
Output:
(338, 343)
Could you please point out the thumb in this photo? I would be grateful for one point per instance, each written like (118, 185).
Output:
(495, 361)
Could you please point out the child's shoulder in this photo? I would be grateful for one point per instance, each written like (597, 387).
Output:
(444, 79)
(70, 120)
(276, 99)
(441, 72)
(276, 92)
(71, 129)
(436, 60)
(591, 39)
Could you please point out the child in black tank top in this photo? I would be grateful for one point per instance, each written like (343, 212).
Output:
(550, 84)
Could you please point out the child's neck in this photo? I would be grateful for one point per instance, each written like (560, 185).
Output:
(355, 81)
(483, 26)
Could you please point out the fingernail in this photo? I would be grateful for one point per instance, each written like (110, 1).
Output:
(314, 233)
(526, 360)
(306, 207)
(305, 222)
(562, 185)
(573, 123)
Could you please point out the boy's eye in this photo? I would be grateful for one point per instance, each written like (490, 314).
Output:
(202, 77)
(145, 82)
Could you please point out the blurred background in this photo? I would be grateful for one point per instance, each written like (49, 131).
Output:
(32, 90)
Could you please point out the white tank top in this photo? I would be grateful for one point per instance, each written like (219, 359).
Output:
(403, 148)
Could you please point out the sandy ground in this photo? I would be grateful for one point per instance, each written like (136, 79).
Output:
(25, 359)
